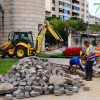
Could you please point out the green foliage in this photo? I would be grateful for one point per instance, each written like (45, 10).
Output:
(50, 18)
(6, 65)
(74, 18)
(57, 56)
(62, 27)
(94, 27)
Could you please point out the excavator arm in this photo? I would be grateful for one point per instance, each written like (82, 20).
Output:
(42, 33)
(53, 31)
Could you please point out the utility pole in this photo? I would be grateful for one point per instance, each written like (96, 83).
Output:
(88, 29)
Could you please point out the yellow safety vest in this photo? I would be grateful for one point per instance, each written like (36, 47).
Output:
(87, 50)
(93, 57)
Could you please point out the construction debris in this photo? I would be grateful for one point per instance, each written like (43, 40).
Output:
(32, 76)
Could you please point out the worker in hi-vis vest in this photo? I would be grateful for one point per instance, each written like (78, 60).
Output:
(90, 57)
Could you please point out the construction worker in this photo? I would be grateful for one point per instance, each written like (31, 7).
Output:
(90, 57)
(25, 38)
(75, 61)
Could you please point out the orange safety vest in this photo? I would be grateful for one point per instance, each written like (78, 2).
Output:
(97, 51)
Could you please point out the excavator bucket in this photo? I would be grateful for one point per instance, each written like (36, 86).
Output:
(53, 48)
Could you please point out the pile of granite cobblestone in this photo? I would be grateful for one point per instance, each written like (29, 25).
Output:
(33, 76)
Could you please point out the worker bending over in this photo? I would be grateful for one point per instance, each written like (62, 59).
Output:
(90, 57)
(75, 61)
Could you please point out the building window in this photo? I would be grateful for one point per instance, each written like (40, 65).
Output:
(61, 17)
(87, 5)
(82, 10)
(68, 0)
(82, 4)
(53, 9)
(67, 5)
(87, 11)
(61, 10)
(66, 18)
(53, 1)
(66, 12)
(61, 3)
(87, 17)
(82, 16)
(39, 27)
(76, 8)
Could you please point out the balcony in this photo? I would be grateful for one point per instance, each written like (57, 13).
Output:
(75, 14)
(68, 15)
(74, 4)
(74, 11)
(68, 2)
(77, 0)
(66, 8)
(61, 7)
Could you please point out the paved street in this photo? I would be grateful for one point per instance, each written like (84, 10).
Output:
(64, 61)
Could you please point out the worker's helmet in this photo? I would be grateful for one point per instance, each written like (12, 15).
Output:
(94, 32)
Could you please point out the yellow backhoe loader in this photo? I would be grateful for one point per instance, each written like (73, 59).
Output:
(21, 42)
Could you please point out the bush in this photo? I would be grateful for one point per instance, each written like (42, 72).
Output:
(72, 51)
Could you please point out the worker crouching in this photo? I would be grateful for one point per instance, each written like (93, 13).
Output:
(75, 61)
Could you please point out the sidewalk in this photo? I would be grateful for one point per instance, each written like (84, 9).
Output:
(54, 52)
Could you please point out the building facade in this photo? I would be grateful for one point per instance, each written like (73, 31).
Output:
(1, 17)
(66, 9)
(94, 19)
(27, 15)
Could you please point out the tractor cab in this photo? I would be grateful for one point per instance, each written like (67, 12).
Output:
(21, 36)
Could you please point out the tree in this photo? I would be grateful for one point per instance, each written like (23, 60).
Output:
(53, 17)
(94, 27)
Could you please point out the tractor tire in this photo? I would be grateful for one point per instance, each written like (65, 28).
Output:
(2, 53)
(20, 52)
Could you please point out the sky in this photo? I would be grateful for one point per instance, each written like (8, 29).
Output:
(93, 8)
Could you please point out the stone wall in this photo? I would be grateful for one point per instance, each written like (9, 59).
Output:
(76, 39)
(73, 38)
(24, 15)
